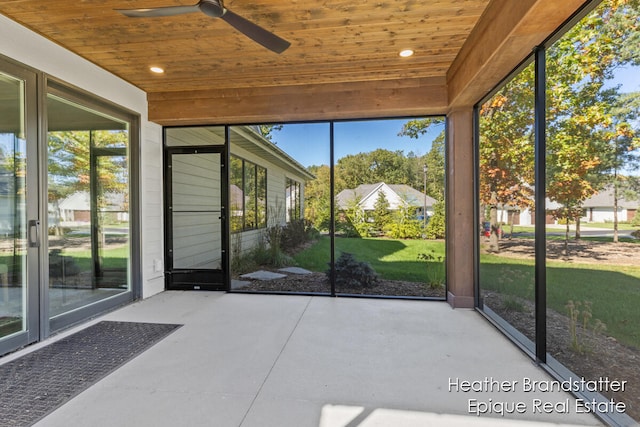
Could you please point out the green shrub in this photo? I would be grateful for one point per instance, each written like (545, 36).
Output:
(352, 273)
(404, 224)
(436, 226)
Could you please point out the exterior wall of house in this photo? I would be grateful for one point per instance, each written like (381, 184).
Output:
(276, 198)
(30, 49)
(604, 214)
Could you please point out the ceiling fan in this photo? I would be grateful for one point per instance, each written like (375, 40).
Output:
(215, 9)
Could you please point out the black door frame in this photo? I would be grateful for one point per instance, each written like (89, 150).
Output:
(195, 278)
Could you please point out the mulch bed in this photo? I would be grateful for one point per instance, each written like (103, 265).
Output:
(318, 283)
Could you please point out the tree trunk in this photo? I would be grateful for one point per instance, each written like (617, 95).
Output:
(493, 224)
(615, 212)
(512, 214)
(577, 228)
(566, 240)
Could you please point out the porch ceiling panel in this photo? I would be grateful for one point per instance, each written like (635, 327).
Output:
(343, 61)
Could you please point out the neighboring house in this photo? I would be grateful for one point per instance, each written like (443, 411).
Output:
(366, 195)
(599, 207)
(75, 209)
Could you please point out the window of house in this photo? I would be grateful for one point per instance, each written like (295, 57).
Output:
(248, 195)
(293, 201)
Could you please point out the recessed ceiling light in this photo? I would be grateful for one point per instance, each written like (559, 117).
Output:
(406, 53)
(156, 70)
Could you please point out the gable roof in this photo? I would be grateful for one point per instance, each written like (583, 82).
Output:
(366, 191)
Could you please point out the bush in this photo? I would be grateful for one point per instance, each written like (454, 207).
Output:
(404, 224)
(436, 227)
(296, 233)
(352, 273)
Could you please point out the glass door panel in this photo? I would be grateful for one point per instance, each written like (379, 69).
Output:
(19, 227)
(88, 206)
(110, 243)
(13, 221)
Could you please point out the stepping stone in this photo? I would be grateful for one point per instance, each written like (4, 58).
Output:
(263, 275)
(239, 284)
(295, 270)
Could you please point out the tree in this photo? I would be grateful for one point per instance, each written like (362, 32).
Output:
(267, 131)
(381, 212)
(623, 145)
(318, 197)
(581, 120)
(507, 150)
(418, 127)
(379, 165)
(434, 160)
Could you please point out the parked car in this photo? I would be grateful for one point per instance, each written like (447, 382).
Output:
(486, 229)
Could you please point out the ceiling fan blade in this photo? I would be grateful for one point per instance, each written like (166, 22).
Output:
(255, 32)
(159, 11)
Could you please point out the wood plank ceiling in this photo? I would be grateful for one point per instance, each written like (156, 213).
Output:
(337, 46)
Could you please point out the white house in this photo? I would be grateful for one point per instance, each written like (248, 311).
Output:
(599, 207)
(366, 195)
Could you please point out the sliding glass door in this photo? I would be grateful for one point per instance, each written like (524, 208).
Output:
(20, 231)
(88, 237)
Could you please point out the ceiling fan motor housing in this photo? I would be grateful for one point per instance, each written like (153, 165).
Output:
(212, 8)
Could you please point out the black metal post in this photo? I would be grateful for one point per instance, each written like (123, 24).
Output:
(540, 206)
(332, 224)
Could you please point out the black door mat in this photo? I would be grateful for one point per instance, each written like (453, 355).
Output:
(37, 383)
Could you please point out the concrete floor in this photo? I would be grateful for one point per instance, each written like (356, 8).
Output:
(262, 360)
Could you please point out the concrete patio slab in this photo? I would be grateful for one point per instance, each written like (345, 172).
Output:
(296, 361)
(263, 275)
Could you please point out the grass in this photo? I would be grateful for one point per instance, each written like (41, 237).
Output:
(391, 259)
(613, 290)
(111, 258)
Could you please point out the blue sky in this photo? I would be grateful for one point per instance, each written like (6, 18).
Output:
(308, 143)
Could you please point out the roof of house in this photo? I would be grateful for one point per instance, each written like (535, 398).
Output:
(363, 191)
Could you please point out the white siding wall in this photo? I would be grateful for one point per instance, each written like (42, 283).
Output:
(152, 220)
(24, 46)
(603, 215)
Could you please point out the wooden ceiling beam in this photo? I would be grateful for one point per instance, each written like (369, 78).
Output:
(410, 97)
(505, 35)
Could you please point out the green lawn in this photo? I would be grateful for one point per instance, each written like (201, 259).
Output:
(614, 291)
(111, 258)
(391, 259)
